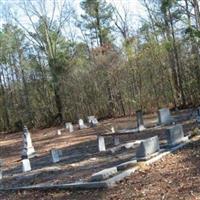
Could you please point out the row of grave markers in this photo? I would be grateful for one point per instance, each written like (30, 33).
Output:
(174, 136)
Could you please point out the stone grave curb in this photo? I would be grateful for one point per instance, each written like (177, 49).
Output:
(109, 183)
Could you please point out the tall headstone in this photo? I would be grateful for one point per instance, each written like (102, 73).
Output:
(28, 149)
(164, 116)
(81, 124)
(175, 135)
(147, 147)
(69, 127)
(140, 122)
(92, 120)
(26, 165)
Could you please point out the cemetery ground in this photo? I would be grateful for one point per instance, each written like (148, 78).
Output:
(175, 176)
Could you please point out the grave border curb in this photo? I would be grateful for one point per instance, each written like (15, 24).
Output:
(109, 183)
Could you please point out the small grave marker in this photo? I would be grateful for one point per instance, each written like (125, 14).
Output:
(69, 127)
(175, 135)
(26, 165)
(116, 140)
(140, 122)
(92, 120)
(164, 116)
(55, 154)
(147, 147)
(81, 124)
(101, 143)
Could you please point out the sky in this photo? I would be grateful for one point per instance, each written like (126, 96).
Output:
(134, 7)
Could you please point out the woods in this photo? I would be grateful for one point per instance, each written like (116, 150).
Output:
(64, 64)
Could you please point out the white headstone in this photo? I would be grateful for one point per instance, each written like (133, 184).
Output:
(92, 120)
(26, 165)
(55, 154)
(101, 143)
(59, 132)
(28, 149)
(69, 127)
(81, 124)
(112, 129)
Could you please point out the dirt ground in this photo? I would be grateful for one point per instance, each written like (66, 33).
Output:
(174, 177)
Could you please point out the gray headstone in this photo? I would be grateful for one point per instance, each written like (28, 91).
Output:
(69, 127)
(92, 120)
(28, 149)
(26, 165)
(116, 140)
(164, 116)
(140, 121)
(104, 174)
(101, 143)
(55, 154)
(147, 147)
(175, 135)
(81, 124)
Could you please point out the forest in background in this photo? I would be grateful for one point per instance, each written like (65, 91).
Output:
(48, 75)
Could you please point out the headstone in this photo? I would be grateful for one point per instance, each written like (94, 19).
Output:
(104, 174)
(92, 120)
(164, 116)
(69, 127)
(113, 129)
(26, 165)
(147, 147)
(55, 154)
(175, 135)
(1, 170)
(101, 143)
(81, 124)
(116, 140)
(28, 149)
(140, 122)
(59, 132)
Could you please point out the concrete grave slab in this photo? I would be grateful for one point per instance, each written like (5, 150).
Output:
(26, 165)
(104, 174)
(174, 135)
(147, 147)
(126, 165)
